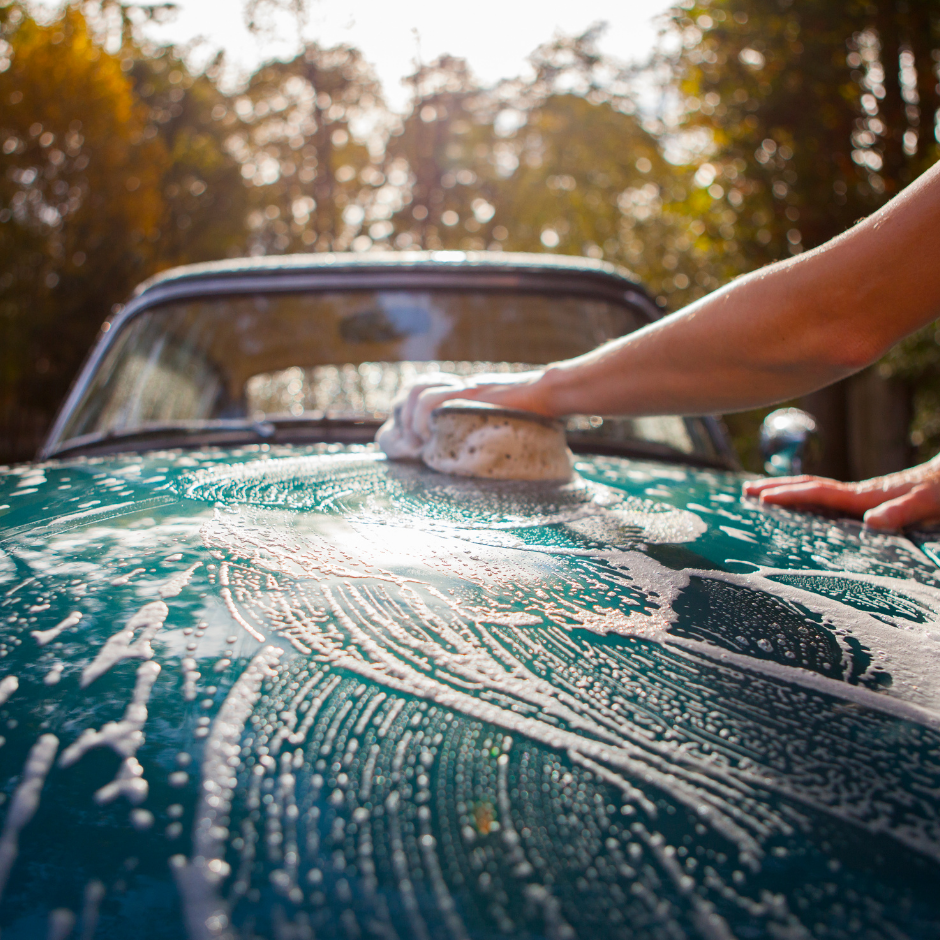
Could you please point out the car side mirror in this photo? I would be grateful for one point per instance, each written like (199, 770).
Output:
(787, 437)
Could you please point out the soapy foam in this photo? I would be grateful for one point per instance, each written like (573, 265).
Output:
(520, 608)
(25, 801)
(61, 922)
(54, 674)
(907, 647)
(198, 878)
(42, 637)
(125, 578)
(430, 659)
(124, 737)
(94, 894)
(8, 685)
(177, 582)
(122, 645)
(129, 783)
(400, 658)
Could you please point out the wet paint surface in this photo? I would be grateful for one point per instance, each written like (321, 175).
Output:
(292, 693)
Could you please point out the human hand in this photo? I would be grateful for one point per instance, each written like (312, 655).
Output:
(888, 502)
(412, 412)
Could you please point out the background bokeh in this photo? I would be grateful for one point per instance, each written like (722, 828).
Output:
(756, 130)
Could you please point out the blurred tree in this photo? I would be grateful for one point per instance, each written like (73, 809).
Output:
(204, 202)
(772, 84)
(559, 163)
(315, 181)
(778, 125)
(262, 16)
(817, 115)
(446, 154)
(585, 170)
(590, 174)
(113, 166)
(80, 203)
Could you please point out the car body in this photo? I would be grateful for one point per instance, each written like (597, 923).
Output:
(259, 681)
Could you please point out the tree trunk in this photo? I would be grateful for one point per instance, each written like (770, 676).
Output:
(879, 419)
(892, 108)
(828, 406)
(864, 426)
(923, 41)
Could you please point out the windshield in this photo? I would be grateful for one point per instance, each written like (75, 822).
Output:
(344, 355)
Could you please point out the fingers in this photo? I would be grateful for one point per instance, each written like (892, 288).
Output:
(820, 492)
(397, 441)
(920, 504)
(429, 399)
(756, 487)
(890, 502)
(511, 390)
(406, 410)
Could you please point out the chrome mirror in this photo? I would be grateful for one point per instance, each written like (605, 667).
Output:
(786, 437)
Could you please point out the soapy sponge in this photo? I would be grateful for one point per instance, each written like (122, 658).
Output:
(475, 439)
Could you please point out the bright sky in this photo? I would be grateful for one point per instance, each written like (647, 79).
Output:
(495, 36)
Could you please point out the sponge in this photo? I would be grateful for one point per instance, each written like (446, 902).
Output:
(475, 439)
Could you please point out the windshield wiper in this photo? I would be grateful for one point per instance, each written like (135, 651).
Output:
(218, 431)
(184, 429)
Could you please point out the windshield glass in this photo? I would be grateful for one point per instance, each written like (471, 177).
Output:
(344, 355)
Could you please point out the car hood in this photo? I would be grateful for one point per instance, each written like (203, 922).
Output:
(307, 689)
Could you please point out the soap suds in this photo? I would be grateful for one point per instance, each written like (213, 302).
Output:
(129, 783)
(411, 639)
(483, 607)
(739, 534)
(226, 594)
(124, 578)
(61, 922)
(94, 894)
(173, 586)
(199, 878)
(54, 674)
(25, 802)
(124, 737)
(149, 619)
(8, 685)
(42, 637)
(908, 647)
(435, 659)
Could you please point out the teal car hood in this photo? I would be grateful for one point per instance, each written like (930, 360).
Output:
(307, 692)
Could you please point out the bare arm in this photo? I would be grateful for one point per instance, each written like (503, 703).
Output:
(783, 331)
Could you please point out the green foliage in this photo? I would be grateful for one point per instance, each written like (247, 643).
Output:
(773, 84)
(916, 360)
(584, 168)
(448, 153)
(312, 178)
(204, 203)
(780, 123)
(817, 112)
(80, 202)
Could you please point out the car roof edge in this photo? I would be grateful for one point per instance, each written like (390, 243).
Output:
(323, 261)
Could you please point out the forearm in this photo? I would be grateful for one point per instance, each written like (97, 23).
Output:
(733, 350)
(781, 332)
